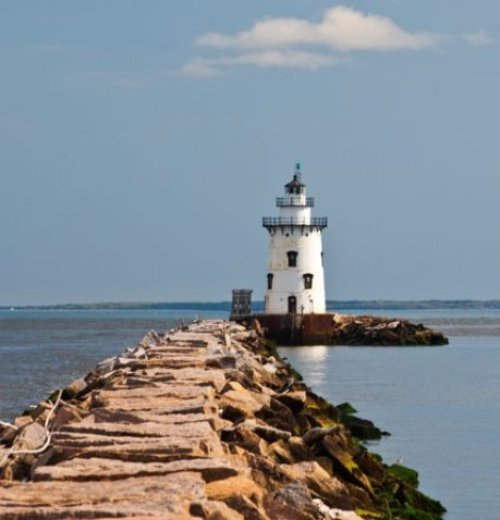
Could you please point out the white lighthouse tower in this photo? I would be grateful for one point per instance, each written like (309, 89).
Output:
(295, 278)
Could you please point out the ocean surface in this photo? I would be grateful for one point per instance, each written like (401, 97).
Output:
(441, 404)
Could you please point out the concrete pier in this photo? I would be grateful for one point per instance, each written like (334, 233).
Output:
(204, 422)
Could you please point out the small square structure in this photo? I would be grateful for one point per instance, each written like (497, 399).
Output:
(242, 303)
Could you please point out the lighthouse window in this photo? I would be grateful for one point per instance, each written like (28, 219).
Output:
(292, 258)
(308, 281)
(270, 277)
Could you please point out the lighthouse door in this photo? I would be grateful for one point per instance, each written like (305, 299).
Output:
(292, 304)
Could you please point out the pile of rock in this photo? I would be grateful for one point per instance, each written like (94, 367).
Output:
(374, 330)
(204, 422)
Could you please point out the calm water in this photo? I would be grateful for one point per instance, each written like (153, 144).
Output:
(441, 404)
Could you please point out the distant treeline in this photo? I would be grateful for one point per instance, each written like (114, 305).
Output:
(259, 305)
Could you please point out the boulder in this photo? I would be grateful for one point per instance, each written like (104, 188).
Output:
(292, 502)
(330, 489)
(295, 401)
(31, 437)
(242, 403)
(75, 388)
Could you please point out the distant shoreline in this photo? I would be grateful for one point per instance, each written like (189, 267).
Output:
(259, 306)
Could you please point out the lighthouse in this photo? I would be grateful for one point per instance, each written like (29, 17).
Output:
(295, 275)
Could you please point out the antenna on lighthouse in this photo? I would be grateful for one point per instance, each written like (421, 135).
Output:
(298, 173)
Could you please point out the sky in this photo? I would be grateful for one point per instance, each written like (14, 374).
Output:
(141, 143)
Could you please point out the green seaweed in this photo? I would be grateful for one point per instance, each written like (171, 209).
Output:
(410, 476)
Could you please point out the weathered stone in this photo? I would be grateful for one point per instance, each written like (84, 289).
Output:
(316, 434)
(169, 495)
(215, 510)
(279, 416)
(223, 362)
(237, 485)
(138, 417)
(270, 367)
(247, 508)
(281, 451)
(242, 403)
(299, 449)
(293, 400)
(197, 376)
(175, 350)
(257, 327)
(106, 365)
(328, 513)
(344, 462)
(373, 468)
(139, 353)
(176, 362)
(161, 405)
(269, 433)
(7, 433)
(163, 390)
(66, 414)
(82, 470)
(31, 437)
(292, 502)
(76, 387)
(245, 438)
(22, 420)
(163, 451)
(144, 429)
(331, 490)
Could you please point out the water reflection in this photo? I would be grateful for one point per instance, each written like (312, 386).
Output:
(304, 354)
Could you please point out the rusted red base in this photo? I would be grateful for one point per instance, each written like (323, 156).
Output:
(296, 329)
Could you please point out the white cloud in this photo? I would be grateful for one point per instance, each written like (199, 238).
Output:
(479, 39)
(342, 28)
(199, 68)
(207, 67)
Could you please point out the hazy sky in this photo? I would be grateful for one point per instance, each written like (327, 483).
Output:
(142, 142)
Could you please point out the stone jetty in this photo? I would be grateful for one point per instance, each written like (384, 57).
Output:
(344, 329)
(206, 421)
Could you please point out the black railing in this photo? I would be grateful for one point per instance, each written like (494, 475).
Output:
(317, 222)
(285, 202)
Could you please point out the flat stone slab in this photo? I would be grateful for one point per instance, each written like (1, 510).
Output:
(161, 390)
(144, 429)
(142, 449)
(167, 495)
(161, 405)
(167, 362)
(82, 470)
(138, 417)
(176, 351)
(186, 376)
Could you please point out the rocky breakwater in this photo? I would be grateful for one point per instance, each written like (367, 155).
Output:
(374, 330)
(204, 422)
(344, 329)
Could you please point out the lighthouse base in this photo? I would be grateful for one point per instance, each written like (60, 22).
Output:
(342, 329)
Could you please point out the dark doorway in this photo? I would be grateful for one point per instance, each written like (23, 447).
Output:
(292, 304)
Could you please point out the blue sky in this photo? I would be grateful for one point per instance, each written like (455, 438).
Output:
(142, 142)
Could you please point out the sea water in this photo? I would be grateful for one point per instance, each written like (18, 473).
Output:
(441, 404)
